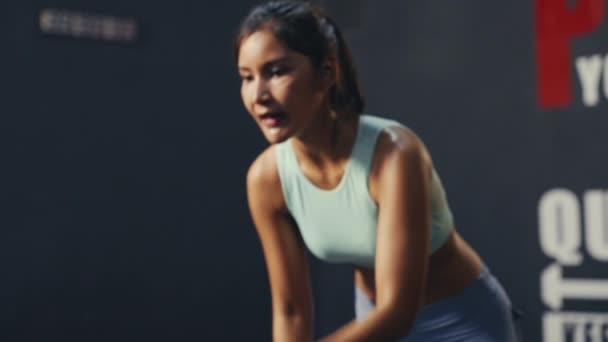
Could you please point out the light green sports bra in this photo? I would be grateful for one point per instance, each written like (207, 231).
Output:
(339, 225)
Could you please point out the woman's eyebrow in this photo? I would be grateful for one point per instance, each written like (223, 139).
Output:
(275, 61)
(267, 64)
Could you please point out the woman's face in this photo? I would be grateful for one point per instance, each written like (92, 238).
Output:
(280, 88)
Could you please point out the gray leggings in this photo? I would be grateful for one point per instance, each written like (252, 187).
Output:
(481, 312)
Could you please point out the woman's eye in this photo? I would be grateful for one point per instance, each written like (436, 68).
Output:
(246, 78)
(278, 71)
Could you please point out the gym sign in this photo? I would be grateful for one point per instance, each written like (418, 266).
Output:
(561, 233)
(87, 26)
(557, 25)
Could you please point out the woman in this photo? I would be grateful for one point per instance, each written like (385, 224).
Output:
(352, 188)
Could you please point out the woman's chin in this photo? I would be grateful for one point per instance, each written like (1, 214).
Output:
(276, 135)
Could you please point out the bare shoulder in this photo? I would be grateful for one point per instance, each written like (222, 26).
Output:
(263, 181)
(263, 170)
(399, 152)
(401, 143)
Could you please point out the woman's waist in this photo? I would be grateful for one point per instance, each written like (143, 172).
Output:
(450, 270)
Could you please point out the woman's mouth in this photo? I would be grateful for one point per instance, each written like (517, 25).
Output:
(272, 120)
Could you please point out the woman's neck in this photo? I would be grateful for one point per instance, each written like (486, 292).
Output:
(327, 141)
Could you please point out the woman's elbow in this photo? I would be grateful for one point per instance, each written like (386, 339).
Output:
(399, 320)
(288, 309)
(292, 322)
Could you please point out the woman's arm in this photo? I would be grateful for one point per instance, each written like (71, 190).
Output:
(283, 251)
(402, 175)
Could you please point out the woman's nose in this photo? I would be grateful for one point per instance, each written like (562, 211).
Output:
(262, 94)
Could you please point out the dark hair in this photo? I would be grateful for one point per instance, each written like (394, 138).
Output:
(305, 28)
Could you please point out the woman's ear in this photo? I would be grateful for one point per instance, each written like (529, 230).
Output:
(329, 72)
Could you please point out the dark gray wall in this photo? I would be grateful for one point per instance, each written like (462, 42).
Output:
(124, 215)
(123, 207)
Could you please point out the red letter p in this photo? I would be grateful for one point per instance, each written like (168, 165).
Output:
(556, 24)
